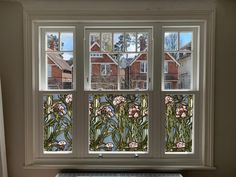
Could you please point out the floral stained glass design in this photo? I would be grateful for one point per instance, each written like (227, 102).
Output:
(179, 123)
(118, 123)
(57, 122)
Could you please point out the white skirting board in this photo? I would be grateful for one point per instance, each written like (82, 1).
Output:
(119, 175)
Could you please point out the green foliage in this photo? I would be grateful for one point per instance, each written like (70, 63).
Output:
(118, 123)
(58, 122)
(179, 113)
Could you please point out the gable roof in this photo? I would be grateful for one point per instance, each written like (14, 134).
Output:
(172, 58)
(59, 61)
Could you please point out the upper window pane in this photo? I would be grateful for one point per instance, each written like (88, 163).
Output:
(171, 41)
(186, 41)
(57, 61)
(117, 63)
(66, 42)
(178, 60)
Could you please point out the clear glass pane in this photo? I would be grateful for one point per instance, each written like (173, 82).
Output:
(118, 123)
(171, 41)
(94, 41)
(130, 40)
(178, 71)
(118, 42)
(124, 71)
(186, 41)
(52, 41)
(59, 69)
(179, 123)
(142, 42)
(107, 42)
(57, 122)
(66, 41)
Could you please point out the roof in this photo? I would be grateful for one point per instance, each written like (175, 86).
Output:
(59, 61)
(122, 63)
(172, 58)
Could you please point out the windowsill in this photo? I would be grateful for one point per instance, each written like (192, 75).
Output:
(173, 168)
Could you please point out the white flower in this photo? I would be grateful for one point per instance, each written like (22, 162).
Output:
(69, 98)
(109, 145)
(135, 115)
(183, 115)
(168, 99)
(61, 143)
(133, 144)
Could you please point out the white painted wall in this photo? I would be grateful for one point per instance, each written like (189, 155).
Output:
(11, 72)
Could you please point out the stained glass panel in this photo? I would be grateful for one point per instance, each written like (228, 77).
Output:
(118, 123)
(57, 122)
(179, 123)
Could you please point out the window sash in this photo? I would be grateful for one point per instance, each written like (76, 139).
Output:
(154, 152)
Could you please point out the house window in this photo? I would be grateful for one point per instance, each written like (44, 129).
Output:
(165, 66)
(105, 69)
(128, 105)
(143, 67)
(49, 70)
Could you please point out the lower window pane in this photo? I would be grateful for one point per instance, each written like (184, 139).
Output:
(118, 123)
(179, 123)
(57, 122)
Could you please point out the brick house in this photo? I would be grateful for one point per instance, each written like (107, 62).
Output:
(171, 72)
(59, 72)
(112, 71)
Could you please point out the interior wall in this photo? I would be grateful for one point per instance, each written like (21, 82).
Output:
(12, 70)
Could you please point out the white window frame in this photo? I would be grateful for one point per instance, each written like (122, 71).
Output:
(201, 159)
(144, 63)
(106, 73)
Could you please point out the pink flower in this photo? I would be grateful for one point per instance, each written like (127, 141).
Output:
(181, 111)
(133, 144)
(69, 98)
(118, 100)
(134, 111)
(105, 110)
(61, 109)
(168, 99)
(180, 144)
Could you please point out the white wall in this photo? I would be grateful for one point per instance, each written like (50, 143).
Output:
(11, 72)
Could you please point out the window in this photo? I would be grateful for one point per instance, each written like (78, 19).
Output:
(105, 69)
(143, 67)
(117, 92)
(166, 64)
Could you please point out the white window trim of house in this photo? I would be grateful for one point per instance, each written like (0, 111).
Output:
(202, 159)
(106, 73)
(144, 70)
